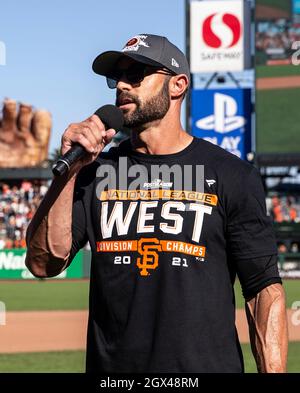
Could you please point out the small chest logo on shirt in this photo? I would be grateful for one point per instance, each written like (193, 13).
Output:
(210, 182)
(157, 183)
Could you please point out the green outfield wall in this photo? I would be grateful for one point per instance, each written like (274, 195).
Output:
(12, 265)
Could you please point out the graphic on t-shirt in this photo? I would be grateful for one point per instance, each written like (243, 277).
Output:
(134, 195)
(142, 203)
(149, 249)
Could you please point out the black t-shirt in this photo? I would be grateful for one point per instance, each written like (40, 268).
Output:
(165, 256)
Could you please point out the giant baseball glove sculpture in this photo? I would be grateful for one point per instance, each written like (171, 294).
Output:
(24, 135)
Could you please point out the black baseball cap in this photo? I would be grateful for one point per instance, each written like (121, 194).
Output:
(149, 49)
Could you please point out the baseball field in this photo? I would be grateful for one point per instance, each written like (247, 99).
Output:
(48, 314)
(266, 71)
(277, 108)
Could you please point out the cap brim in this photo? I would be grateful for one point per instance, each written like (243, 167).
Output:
(106, 61)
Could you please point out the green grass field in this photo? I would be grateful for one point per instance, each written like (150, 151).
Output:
(278, 119)
(73, 295)
(44, 295)
(282, 4)
(264, 71)
(43, 362)
(74, 361)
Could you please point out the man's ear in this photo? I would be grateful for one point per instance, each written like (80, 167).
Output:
(178, 85)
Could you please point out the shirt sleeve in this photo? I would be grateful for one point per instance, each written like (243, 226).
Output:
(255, 274)
(79, 231)
(251, 239)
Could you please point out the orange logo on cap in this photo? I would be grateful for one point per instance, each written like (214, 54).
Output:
(132, 42)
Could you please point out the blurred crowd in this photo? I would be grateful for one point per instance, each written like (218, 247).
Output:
(265, 42)
(288, 247)
(18, 203)
(284, 208)
(277, 36)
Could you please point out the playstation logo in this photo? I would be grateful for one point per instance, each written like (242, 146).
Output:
(225, 117)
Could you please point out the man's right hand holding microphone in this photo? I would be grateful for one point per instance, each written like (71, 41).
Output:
(84, 141)
(49, 235)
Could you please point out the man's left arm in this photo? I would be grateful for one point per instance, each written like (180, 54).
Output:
(253, 252)
(267, 321)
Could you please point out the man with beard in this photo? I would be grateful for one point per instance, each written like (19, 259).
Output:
(171, 220)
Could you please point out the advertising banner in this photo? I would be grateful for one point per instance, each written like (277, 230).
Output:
(223, 117)
(12, 266)
(217, 31)
(296, 7)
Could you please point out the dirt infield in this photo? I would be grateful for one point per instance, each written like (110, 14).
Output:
(43, 331)
(39, 331)
(266, 12)
(282, 82)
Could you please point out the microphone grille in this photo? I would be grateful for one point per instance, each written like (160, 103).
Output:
(111, 116)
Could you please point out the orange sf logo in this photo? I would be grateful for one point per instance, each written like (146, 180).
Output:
(150, 256)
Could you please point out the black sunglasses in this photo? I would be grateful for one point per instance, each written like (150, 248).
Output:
(134, 74)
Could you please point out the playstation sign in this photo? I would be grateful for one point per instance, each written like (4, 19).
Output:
(223, 117)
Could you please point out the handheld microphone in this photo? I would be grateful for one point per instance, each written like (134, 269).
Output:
(111, 116)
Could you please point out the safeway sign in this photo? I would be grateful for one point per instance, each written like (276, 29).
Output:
(218, 30)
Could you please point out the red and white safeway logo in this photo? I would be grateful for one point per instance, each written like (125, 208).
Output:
(221, 30)
(217, 35)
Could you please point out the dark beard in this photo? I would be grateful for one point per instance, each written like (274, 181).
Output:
(154, 109)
